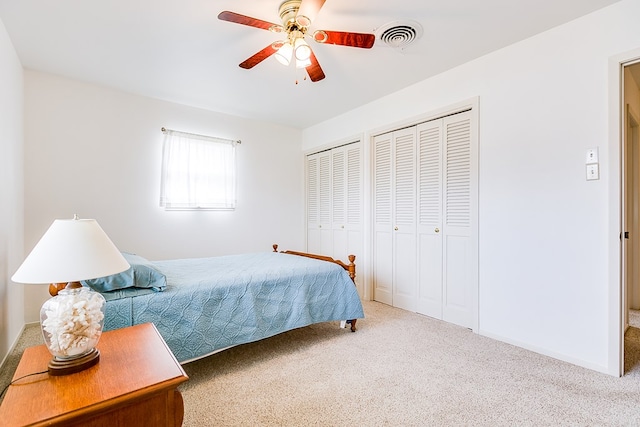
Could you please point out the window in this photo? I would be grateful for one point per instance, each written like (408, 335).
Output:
(198, 172)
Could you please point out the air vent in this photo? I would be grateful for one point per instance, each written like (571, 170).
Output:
(400, 34)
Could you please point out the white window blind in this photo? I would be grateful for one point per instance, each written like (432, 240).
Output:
(198, 172)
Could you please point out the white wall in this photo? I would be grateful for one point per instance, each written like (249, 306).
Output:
(96, 152)
(544, 236)
(11, 193)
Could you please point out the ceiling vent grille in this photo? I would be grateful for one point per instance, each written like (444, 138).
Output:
(400, 34)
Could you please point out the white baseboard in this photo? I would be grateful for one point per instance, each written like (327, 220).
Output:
(545, 352)
(12, 347)
(15, 343)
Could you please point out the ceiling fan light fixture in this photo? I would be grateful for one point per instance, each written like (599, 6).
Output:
(302, 49)
(296, 17)
(283, 55)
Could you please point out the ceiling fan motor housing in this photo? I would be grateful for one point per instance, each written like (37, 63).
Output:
(288, 11)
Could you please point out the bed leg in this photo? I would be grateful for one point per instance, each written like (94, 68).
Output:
(352, 322)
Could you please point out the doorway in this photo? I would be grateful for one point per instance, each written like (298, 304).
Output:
(630, 209)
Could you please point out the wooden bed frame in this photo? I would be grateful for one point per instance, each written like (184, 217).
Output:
(351, 269)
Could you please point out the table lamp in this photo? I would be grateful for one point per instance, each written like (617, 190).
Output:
(70, 251)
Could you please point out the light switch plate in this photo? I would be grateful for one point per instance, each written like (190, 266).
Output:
(592, 155)
(593, 172)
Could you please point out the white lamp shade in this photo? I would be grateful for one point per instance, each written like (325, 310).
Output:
(302, 50)
(70, 251)
(283, 55)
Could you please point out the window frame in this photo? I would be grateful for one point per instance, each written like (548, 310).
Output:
(198, 172)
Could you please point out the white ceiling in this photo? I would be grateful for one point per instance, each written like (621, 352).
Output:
(179, 51)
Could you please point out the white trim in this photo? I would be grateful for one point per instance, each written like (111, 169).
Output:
(13, 346)
(468, 104)
(324, 147)
(367, 271)
(546, 352)
(475, 219)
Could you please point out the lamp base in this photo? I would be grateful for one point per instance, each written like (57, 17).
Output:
(58, 367)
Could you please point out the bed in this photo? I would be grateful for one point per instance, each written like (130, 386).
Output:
(204, 305)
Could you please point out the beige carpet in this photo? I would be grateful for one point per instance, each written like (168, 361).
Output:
(399, 369)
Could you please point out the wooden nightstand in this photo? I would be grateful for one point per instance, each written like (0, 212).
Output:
(134, 384)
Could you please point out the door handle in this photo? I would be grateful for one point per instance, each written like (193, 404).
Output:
(395, 228)
(437, 230)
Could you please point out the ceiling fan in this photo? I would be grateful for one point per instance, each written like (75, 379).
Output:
(296, 16)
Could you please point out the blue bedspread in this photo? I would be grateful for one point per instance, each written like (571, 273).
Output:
(213, 303)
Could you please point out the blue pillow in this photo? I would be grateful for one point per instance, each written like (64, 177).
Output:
(127, 293)
(141, 274)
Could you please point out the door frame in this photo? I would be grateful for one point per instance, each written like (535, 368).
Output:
(632, 139)
(617, 132)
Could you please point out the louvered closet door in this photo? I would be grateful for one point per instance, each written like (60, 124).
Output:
(319, 203)
(459, 227)
(404, 219)
(446, 208)
(429, 159)
(339, 204)
(313, 203)
(347, 201)
(382, 219)
(395, 276)
(425, 219)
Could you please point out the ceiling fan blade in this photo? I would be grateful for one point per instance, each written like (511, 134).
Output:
(310, 9)
(258, 57)
(245, 20)
(342, 38)
(314, 70)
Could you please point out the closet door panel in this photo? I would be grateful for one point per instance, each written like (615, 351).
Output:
(404, 219)
(430, 276)
(383, 270)
(313, 204)
(348, 228)
(429, 160)
(319, 203)
(459, 206)
(404, 271)
(382, 219)
(458, 296)
(314, 240)
(325, 202)
(334, 184)
(339, 204)
(339, 245)
(354, 246)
